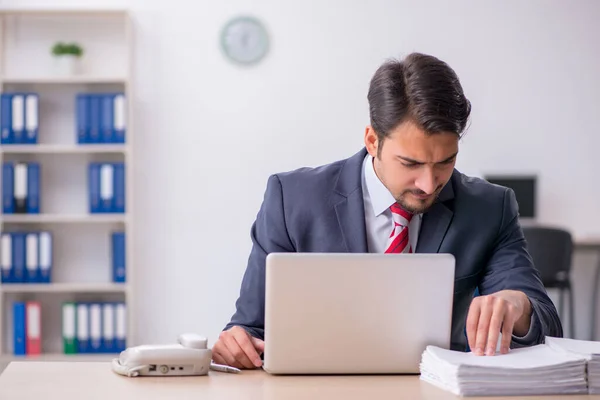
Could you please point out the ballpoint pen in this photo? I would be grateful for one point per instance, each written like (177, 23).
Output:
(223, 368)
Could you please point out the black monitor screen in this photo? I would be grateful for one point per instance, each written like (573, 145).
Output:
(524, 188)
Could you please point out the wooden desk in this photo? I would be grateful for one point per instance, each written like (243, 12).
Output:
(31, 380)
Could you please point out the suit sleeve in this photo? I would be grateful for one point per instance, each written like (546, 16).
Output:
(511, 267)
(269, 234)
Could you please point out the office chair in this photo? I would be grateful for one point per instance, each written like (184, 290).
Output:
(551, 250)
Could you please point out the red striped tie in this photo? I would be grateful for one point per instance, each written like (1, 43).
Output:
(398, 240)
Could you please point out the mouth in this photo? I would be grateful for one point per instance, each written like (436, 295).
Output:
(422, 196)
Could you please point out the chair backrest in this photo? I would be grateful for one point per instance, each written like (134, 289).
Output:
(551, 250)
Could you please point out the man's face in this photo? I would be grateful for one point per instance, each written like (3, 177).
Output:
(412, 165)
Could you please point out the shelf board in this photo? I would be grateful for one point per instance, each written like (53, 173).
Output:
(63, 287)
(59, 11)
(55, 80)
(63, 218)
(6, 358)
(63, 148)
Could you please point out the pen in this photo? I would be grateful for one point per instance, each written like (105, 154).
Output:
(223, 368)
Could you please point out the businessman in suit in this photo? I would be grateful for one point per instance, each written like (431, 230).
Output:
(402, 193)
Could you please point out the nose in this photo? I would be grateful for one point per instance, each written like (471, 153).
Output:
(427, 181)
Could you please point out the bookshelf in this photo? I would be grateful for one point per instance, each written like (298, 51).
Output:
(81, 270)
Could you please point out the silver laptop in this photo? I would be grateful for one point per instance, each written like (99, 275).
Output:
(330, 313)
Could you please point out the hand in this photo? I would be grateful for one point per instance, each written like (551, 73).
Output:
(506, 311)
(237, 348)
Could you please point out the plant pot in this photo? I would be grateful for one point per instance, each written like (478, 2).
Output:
(66, 65)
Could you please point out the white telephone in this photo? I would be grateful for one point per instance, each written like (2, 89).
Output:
(190, 356)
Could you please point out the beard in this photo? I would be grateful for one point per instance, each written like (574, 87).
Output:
(416, 205)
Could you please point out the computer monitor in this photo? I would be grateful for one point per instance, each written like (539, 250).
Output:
(524, 187)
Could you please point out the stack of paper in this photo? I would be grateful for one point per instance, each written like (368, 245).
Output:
(587, 349)
(536, 370)
(594, 374)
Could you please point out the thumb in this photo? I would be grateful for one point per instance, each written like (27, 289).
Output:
(259, 345)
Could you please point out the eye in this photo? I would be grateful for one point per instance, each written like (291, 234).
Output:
(410, 165)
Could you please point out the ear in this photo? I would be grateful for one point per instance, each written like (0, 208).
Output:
(371, 141)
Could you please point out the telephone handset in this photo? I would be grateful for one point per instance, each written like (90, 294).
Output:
(190, 356)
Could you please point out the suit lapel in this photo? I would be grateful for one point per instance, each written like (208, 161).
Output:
(351, 217)
(350, 209)
(436, 222)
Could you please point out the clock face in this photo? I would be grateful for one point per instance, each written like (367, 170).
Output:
(244, 40)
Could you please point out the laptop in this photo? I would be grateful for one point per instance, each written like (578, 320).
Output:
(332, 313)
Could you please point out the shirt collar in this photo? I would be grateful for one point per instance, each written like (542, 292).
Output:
(381, 198)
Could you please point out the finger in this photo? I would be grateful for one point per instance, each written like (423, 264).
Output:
(483, 326)
(236, 351)
(247, 346)
(495, 325)
(259, 345)
(221, 355)
(217, 357)
(472, 322)
(507, 330)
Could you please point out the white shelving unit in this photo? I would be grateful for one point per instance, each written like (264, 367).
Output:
(81, 241)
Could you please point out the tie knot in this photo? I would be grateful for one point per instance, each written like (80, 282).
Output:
(396, 209)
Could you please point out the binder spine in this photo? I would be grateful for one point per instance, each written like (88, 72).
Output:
(19, 329)
(18, 250)
(18, 118)
(20, 189)
(34, 328)
(6, 257)
(32, 257)
(69, 330)
(8, 195)
(83, 328)
(119, 187)
(95, 111)
(120, 118)
(108, 328)
(107, 118)
(107, 191)
(45, 257)
(118, 253)
(82, 113)
(121, 327)
(33, 188)
(6, 132)
(31, 118)
(94, 187)
(95, 328)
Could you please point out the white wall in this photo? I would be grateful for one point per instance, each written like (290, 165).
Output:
(210, 133)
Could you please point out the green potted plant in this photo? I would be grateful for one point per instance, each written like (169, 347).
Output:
(67, 56)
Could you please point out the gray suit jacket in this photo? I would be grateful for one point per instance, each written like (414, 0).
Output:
(321, 210)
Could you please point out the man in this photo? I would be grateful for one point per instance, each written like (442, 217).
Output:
(401, 193)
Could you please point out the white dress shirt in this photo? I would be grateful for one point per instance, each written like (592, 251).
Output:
(378, 216)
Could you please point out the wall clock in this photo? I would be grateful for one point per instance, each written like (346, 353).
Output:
(244, 40)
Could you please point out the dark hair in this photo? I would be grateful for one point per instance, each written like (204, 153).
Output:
(421, 88)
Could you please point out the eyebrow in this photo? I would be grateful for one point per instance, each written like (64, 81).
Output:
(410, 160)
